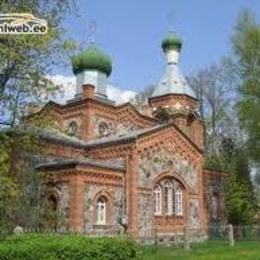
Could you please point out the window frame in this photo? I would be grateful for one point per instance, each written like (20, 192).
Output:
(179, 202)
(71, 125)
(158, 200)
(168, 198)
(101, 210)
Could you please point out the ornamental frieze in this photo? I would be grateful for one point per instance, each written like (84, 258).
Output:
(153, 163)
(105, 127)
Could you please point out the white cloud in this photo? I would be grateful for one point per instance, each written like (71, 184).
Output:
(118, 95)
(68, 89)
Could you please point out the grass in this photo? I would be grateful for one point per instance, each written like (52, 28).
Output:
(206, 251)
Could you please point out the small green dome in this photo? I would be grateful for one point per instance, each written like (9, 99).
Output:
(172, 41)
(92, 59)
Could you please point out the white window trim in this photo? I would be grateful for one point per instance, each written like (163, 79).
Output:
(169, 200)
(158, 200)
(178, 203)
(101, 210)
(214, 207)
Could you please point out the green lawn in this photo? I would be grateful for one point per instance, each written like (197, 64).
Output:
(209, 251)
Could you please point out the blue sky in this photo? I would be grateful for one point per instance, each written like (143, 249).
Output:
(131, 32)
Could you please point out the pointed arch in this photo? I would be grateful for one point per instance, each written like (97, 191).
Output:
(102, 202)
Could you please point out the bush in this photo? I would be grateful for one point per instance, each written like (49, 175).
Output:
(71, 247)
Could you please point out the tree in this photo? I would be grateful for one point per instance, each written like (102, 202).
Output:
(10, 181)
(8, 186)
(240, 196)
(246, 46)
(26, 60)
(143, 96)
(240, 207)
(215, 92)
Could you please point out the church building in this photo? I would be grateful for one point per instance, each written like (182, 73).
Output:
(129, 168)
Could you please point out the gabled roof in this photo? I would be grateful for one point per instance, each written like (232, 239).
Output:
(80, 101)
(133, 135)
(59, 137)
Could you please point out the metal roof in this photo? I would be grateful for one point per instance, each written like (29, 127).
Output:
(125, 137)
(64, 163)
(173, 82)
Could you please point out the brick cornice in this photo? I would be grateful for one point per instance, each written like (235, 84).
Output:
(84, 101)
(151, 99)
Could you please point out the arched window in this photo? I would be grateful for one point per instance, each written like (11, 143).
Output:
(214, 207)
(73, 128)
(101, 211)
(178, 202)
(103, 129)
(168, 198)
(53, 202)
(158, 200)
(52, 212)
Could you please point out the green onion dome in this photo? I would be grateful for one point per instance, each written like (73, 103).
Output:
(172, 41)
(92, 59)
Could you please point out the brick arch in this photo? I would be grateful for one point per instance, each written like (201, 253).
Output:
(169, 174)
(104, 193)
(109, 205)
(55, 192)
(172, 223)
(52, 198)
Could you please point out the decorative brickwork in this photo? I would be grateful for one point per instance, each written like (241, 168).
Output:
(162, 159)
(116, 170)
(114, 210)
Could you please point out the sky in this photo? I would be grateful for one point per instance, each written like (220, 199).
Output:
(131, 33)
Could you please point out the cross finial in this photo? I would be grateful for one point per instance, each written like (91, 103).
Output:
(91, 33)
(171, 22)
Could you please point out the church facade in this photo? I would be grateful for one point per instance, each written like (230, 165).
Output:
(129, 168)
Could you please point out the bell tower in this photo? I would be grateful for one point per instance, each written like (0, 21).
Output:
(173, 100)
(173, 91)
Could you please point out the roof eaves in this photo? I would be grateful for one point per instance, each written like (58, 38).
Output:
(68, 164)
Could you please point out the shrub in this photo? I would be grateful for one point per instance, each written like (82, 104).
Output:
(66, 247)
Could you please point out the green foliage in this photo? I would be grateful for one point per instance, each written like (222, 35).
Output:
(13, 143)
(27, 60)
(240, 198)
(246, 45)
(212, 250)
(240, 204)
(214, 163)
(51, 247)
